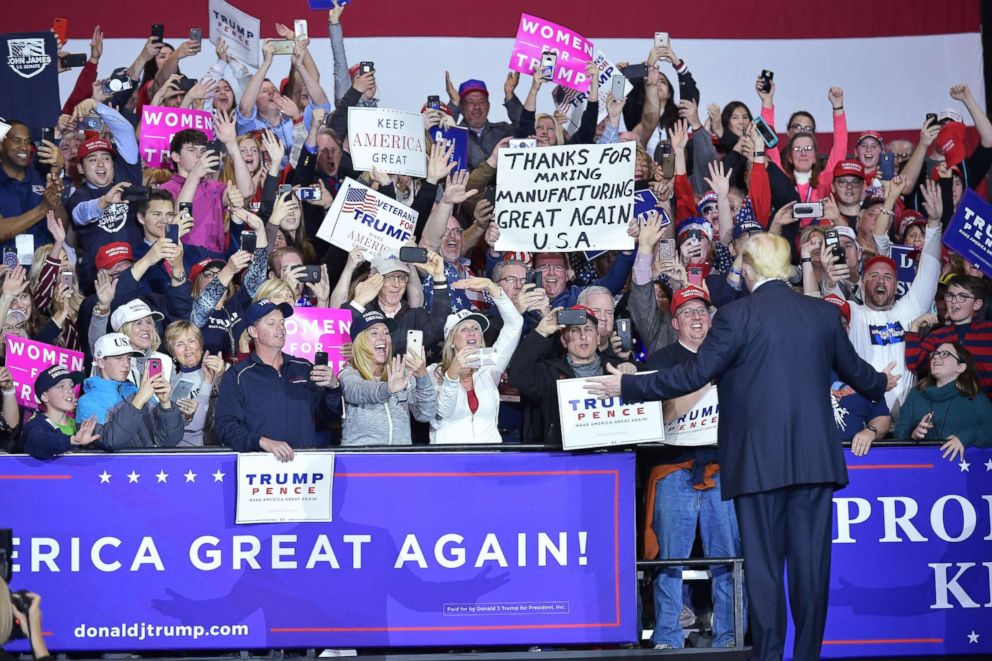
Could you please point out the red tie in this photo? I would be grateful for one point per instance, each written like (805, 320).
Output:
(473, 401)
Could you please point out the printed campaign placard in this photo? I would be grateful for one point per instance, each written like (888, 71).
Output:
(565, 198)
(159, 124)
(26, 358)
(240, 30)
(389, 140)
(361, 216)
(572, 102)
(587, 422)
(969, 233)
(458, 135)
(536, 35)
(318, 329)
(905, 258)
(273, 491)
(698, 425)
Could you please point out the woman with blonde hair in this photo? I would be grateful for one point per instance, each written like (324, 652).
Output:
(138, 322)
(381, 391)
(468, 376)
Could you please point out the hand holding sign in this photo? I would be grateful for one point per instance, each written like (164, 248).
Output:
(604, 387)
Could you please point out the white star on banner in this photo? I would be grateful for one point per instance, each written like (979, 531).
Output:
(972, 637)
(132, 477)
(988, 465)
(190, 476)
(964, 466)
(105, 476)
(162, 476)
(218, 476)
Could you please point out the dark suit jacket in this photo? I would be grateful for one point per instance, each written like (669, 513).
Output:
(771, 354)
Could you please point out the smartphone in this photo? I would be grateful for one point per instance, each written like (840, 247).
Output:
(48, 134)
(413, 255)
(154, 367)
(765, 131)
(366, 67)
(65, 279)
(666, 250)
(931, 118)
(319, 358)
(195, 34)
(10, 259)
(667, 160)
(635, 71)
(116, 84)
(572, 317)
(92, 122)
(415, 341)
(187, 207)
(300, 27)
(887, 166)
(249, 240)
(522, 143)
(831, 241)
(661, 40)
(182, 390)
(172, 232)
(73, 60)
(185, 84)
(486, 357)
(282, 46)
(285, 188)
(24, 244)
(136, 194)
(310, 274)
(60, 26)
(623, 332)
(308, 192)
(536, 278)
(808, 210)
(766, 80)
(158, 31)
(548, 61)
(619, 83)
(434, 102)
(694, 274)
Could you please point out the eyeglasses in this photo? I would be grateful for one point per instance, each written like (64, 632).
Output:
(801, 128)
(7, 328)
(513, 280)
(957, 298)
(801, 150)
(693, 312)
(401, 278)
(454, 230)
(944, 355)
(850, 183)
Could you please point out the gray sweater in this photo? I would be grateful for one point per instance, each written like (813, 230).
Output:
(374, 416)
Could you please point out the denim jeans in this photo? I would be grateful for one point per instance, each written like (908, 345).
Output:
(677, 508)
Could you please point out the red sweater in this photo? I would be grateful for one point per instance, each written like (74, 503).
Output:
(976, 338)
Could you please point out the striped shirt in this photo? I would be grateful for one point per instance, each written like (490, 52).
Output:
(976, 338)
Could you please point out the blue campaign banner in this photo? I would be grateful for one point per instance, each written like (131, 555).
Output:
(326, 4)
(912, 556)
(969, 233)
(29, 85)
(458, 135)
(140, 552)
(905, 258)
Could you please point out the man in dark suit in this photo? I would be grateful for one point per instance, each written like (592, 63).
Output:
(771, 355)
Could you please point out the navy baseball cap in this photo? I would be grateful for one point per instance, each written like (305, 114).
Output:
(50, 377)
(262, 307)
(368, 319)
(747, 226)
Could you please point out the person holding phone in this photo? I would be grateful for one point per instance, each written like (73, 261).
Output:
(137, 322)
(127, 415)
(381, 391)
(948, 404)
(468, 375)
(194, 385)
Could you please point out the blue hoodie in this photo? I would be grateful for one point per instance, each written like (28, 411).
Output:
(119, 424)
(100, 396)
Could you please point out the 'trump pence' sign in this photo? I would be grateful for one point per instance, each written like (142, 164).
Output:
(238, 29)
(26, 358)
(271, 491)
(565, 198)
(362, 217)
(536, 35)
(159, 124)
(390, 140)
(969, 233)
(587, 422)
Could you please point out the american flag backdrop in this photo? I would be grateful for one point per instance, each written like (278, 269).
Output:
(358, 198)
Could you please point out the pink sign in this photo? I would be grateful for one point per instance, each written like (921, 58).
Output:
(158, 125)
(26, 358)
(310, 330)
(536, 35)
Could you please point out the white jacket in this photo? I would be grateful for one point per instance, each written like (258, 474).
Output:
(454, 422)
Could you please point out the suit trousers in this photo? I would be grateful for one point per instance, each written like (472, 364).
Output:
(792, 527)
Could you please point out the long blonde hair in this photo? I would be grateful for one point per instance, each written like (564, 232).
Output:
(274, 287)
(362, 353)
(559, 131)
(448, 350)
(128, 326)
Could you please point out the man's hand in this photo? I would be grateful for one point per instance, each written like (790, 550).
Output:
(287, 106)
(106, 286)
(510, 84)
(933, 202)
(862, 441)
(650, 234)
(530, 298)
(368, 289)
(617, 346)
(439, 163)
(549, 325)
(323, 376)
(52, 197)
(281, 450)
(454, 190)
(891, 380)
(451, 89)
(364, 82)
(483, 214)
(604, 387)
(479, 284)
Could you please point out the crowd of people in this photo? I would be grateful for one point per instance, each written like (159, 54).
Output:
(176, 282)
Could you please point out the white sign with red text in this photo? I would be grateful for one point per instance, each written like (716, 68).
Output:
(271, 491)
(391, 141)
(587, 422)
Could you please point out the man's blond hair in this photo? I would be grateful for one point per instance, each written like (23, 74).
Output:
(769, 255)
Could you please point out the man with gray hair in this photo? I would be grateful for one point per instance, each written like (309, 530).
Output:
(779, 456)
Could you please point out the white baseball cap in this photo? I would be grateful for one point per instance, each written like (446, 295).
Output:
(114, 344)
(132, 311)
(456, 318)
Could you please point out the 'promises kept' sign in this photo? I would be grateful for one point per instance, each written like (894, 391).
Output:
(565, 198)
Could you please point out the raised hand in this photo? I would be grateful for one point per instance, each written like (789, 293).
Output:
(397, 377)
(719, 180)
(960, 92)
(933, 201)
(334, 13)
(454, 190)
(368, 289)
(836, 97)
(85, 433)
(549, 325)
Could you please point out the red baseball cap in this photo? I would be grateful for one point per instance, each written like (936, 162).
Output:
(844, 306)
(849, 168)
(113, 253)
(689, 293)
(202, 266)
(870, 134)
(950, 143)
(881, 259)
(590, 313)
(908, 218)
(92, 146)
